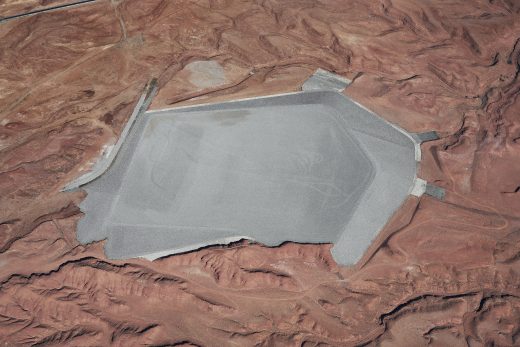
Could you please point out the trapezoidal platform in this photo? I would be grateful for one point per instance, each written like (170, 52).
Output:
(310, 167)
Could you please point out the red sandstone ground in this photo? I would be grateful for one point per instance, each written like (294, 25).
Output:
(9, 8)
(442, 273)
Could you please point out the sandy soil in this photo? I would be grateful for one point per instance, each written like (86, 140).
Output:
(11, 8)
(442, 273)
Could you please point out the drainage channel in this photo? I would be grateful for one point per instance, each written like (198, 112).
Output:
(47, 9)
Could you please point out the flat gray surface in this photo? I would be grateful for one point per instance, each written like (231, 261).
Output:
(305, 167)
(325, 80)
(426, 136)
(434, 191)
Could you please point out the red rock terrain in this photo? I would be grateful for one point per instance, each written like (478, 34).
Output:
(442, 273)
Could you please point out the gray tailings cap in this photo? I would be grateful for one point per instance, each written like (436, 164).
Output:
(309, 167)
